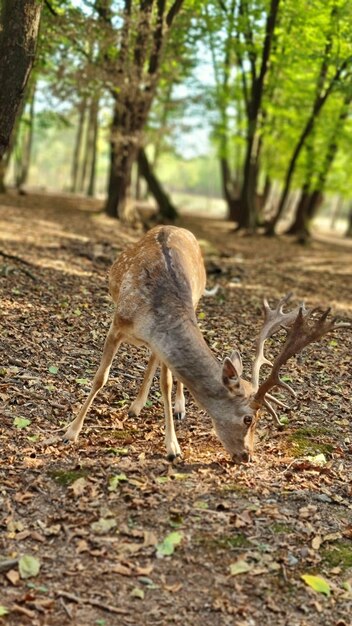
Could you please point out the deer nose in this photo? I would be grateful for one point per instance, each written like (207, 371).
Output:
(245, 458)
(242, 457)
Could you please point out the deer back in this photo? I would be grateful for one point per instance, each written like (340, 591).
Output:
(161, 275)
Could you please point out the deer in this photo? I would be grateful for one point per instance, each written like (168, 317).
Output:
(156, 285)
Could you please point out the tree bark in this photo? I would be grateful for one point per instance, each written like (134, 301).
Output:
(348, 232)
(93, 133)
(248, 209)
(20, 24)
(299, 225)
(229, 191)
(124, 147)
(137, 69)
(26, 144)
(166, 209)
(78, 145)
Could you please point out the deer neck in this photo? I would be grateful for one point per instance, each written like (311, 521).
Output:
(181, 346)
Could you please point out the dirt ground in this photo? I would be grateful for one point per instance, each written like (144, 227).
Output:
(120, 536)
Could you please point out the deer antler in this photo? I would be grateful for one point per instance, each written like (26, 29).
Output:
(273, 320)
(305, 329)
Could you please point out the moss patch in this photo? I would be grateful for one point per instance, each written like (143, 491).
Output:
(123, 434)
(338, 555)
(67, 477)
(304, 442)
(222, 542)
(277, 528)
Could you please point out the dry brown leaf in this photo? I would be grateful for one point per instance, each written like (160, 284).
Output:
(13, 576)
(316, 542)
(78, 486)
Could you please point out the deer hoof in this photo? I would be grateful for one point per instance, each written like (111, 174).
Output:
(171, 457)
(180, 415)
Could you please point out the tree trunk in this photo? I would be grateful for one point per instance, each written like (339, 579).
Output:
(93, 137)
(166, 208)
(229, 191)
(18, 37)
(26, 147)
(126, 135)
(348, 232)
(299, 223)
(248, 209)
(78, 144)
(123, 153)
(5, 160)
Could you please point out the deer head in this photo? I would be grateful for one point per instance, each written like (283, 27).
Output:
(303, 327)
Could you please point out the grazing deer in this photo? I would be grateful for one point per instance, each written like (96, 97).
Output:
(156, 285)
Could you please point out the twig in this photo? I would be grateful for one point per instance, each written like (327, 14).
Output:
(298, 460)
(5, 566)
(23, 610)
(92, 602)
(66, 609)
(15, 258)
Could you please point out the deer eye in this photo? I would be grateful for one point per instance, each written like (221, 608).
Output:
(247, 420)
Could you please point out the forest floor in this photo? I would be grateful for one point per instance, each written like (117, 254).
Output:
(120, 536)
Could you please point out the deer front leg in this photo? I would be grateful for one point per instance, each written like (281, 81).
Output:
(111, 345)
(172, 447)
(138, 404)
(180, 404)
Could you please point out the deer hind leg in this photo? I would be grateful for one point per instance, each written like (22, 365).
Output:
(138, 404)
(180, 404)
(111, 345)
(172, 447)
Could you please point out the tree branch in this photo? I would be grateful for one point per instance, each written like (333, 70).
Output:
(51, 8)
(173, 12)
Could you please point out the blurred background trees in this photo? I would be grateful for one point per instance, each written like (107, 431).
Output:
(234, 108)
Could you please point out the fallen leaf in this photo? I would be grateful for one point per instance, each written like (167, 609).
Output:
(103, 525)
(21, 422)
(240, 567)
(150, 538)
(316, 542)
(318, 459)
(13, 576)
(78, 486)
(3, 610)
(119, 568)
(28, 566)
(317, 583)
(137, 593)
(167, 546)
(115, 480)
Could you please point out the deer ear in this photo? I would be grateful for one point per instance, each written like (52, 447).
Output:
(230, 375)
(237, 361)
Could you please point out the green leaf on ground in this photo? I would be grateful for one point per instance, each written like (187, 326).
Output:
(53, 369)
(317, 583)
(167, 547)
(115, 480)
(3, 610)
(318, 459)
(21, 422)
(137, 593)
(28, 566)
(240, 567)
